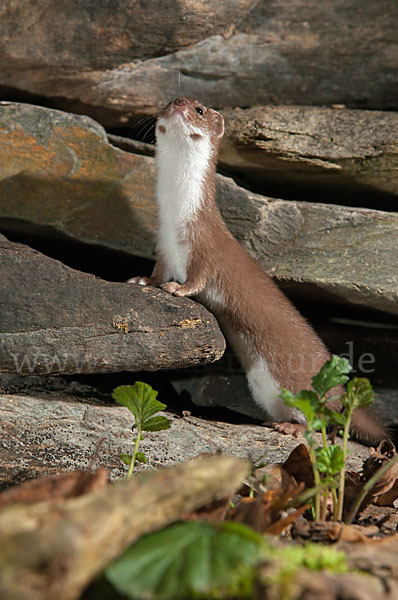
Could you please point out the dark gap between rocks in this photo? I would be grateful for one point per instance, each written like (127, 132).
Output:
(132, 130)
(99, 113)
(106, 263)
(319, 187)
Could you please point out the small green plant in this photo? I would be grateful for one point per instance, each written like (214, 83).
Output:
(314, 557)
(193, 559)
(213, 561)
(287, 561)
(141, 401)
(328, 461)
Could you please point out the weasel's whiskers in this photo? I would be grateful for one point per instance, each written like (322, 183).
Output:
(144, 124)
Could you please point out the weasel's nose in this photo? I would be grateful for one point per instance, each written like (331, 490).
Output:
(180, 102)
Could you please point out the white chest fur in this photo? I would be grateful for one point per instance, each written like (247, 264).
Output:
(181, 169)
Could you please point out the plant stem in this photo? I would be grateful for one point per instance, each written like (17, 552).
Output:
(324, 438)
(323, 429)
(368, 486)
(324, 505)
(133, 458)
(305, 496)
(325, 494)
(335, 503)
(338, 512)
(317, 482)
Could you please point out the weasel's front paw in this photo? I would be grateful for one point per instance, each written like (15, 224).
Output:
(139, 280)
(295, 429)
(185, 290)
(170, 286)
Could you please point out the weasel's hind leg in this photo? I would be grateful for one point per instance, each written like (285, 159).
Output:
(266, 392)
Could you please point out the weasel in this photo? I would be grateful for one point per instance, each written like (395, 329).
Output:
(198, 256)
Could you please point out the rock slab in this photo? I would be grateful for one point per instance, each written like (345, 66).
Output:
(54, 319)
(59, 173)
(45, 434)
(114, 61)
(340, 254)
(342, 155)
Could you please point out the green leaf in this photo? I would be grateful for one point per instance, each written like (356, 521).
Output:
(319, 423)
(304, 401)
(332, 373)
(329, 460)
(287, 397)
(312, 398)
(309, 395)
(140, 457)
(185, 559)
(140, 399)
(359, 393)
(156, 424)
(309, 436)
(336, 418)
(126, 458)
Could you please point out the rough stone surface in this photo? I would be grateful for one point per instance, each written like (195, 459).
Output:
(43, 435)
(113, 61)
(99, 35)
(55, 319)
(58, 171)
(341, 254)
(347, 156)
(131, 145)
(59, 175)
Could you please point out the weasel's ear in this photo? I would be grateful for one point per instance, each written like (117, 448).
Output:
(218, 123)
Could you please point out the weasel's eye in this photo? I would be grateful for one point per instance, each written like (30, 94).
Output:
(199, 111)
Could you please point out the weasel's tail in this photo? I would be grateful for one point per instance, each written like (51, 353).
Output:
(369, 430)
(392, 433)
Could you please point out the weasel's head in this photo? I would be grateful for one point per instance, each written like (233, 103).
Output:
(189, 119)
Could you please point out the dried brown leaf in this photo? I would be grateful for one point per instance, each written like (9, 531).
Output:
(251, 512)
(266, 509)
(214, 511)
(279, 526)
(331, 532)
(378, 457)
(384, 518)
(388, 498)
(57, 487)
(356, 533)
(298, 465)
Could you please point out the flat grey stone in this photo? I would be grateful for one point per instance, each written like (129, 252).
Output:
(54, 319)
(45, 434)
(114, 64)
(339, 155)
